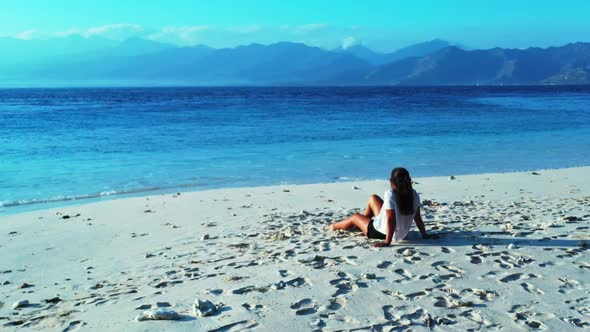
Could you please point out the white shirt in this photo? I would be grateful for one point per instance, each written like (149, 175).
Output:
(403, 223)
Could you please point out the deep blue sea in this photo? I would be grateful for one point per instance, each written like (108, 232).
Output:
(64, 146)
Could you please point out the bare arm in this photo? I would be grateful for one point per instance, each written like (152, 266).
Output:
(390, 226)
(420, 224)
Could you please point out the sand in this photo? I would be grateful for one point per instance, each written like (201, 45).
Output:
(512, 255)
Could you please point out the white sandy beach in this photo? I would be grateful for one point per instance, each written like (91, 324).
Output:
(511, 256)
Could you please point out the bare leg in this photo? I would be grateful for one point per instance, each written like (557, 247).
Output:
(357, 219)
(373, 206)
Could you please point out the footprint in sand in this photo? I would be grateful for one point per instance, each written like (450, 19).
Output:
(443, 302)
(417, 295)
(425, 276)
(444, 320)
(475, 259)
(336, 303)
(568, 284)
(324, 246)
(547, 264)
(384, 264)
(531, 288)
(257, 308)
(412, 259)
(406, 274)
(298, 282)
(410, 255)
(444, 265)
(74, 325)
(523, 313)
(285, 273)
(507, 261)
(482, 294)
(511, 277)
(523, 317)
(301, 303)
(410, 313)
(248, 289)
(446, 250)
(345, 287)
(215, 291)
(304, 307)
(347, 283)
(453, 269)
(397, 294)
(445, 277)
(518, 276)
(569, 253)
(439, 263)
(577, 322)
(476, 317)
(390, 313)
(249, 325)
(502, 264)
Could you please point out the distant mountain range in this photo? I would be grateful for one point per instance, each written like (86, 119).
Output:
(77, 61)
(416, 50)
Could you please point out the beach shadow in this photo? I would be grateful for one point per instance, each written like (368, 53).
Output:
(186, 318)
(221, 310)
(32, 305)
(465, 238)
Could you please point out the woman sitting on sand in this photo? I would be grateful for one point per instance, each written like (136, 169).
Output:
(379, 220)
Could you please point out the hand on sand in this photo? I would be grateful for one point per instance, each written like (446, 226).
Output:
(380, 244)
(430, 236)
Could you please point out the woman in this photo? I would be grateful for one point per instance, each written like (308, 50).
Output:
(389, 219)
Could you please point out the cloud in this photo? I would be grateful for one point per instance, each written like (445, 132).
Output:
(316, 34)
(308, 28)
(115, 31)
(246, 29)
(69, 32)
(185, 35)
(28, 34)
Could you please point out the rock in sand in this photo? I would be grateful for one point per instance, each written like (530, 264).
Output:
(204, 308)
(20, 304)
(158, 314)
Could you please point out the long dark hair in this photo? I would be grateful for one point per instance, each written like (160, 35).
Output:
(404, 198)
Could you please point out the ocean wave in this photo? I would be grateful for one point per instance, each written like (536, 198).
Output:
(56, 199)
(133, 191)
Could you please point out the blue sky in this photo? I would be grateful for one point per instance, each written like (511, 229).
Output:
(382, 25)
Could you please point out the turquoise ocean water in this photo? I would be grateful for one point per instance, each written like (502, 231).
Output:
(69, 146)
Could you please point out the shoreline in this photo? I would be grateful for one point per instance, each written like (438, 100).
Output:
(512, 254)
(83, 199)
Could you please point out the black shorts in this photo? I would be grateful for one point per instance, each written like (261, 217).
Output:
(372, 233)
